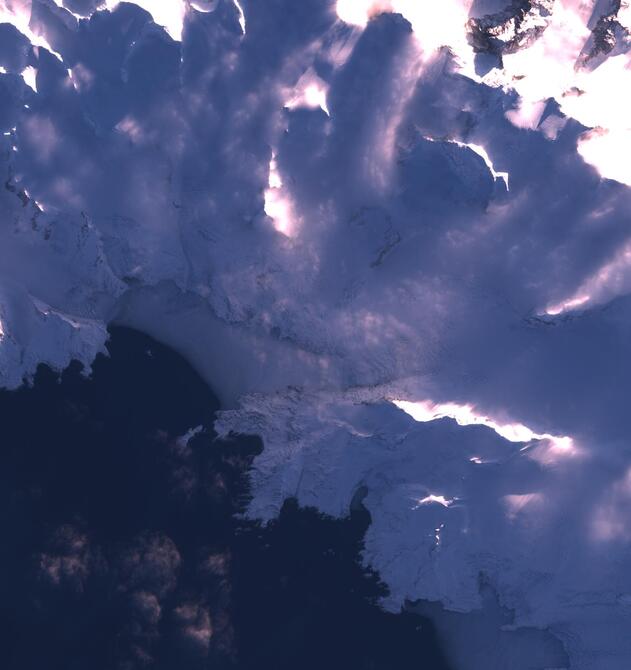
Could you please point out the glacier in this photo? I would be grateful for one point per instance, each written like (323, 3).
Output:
(394, 238)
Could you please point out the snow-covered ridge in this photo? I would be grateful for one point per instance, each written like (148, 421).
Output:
(311, 201)
(451, 505)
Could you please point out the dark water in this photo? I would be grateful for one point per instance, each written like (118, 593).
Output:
(120, 549)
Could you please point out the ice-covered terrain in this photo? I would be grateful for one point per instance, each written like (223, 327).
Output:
(404, 228)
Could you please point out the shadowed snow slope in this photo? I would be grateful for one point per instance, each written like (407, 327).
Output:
(321, 191)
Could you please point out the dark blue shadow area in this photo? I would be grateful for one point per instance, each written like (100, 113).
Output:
(120, 548)
(307, 602)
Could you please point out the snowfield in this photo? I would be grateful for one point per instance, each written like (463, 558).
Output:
(394, 237)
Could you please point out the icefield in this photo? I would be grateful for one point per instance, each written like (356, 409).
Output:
(395, 239)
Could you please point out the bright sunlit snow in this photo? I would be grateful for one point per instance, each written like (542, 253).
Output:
(339, 210)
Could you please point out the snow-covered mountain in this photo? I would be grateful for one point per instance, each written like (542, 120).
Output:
(393, 236)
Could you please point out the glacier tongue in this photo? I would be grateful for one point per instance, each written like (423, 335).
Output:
(457, 513)
(308, 210)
